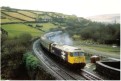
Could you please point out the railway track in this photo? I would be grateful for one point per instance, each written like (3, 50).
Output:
(89, 76)
(65, 75)
(55, 69)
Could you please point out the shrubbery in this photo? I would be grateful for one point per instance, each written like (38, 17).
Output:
(30, 61)
(17, 63)
(34, 70)
(12, 51)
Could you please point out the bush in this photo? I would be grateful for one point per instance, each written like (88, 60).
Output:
(11, 56)
(35, 72)
(30, 61)
(25, 38)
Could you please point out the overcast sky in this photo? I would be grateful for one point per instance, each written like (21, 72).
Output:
(81, 8)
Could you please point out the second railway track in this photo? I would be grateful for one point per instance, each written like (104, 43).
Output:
(89, 76)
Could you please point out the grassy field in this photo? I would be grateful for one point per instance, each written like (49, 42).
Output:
(13, 14)
(17, 29)
(28, 13)
(8, 19)
(5, 20)
(99, 49)
(108, 49)
(46, 26)
(38, 12)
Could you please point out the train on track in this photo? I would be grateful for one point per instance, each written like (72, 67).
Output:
(73, 56)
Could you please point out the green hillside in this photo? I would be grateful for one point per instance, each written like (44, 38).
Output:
(5, 19)
(28, 13)
(19, 16)
(75, 26)
(16, 16)
(45, 26)
(17, 29)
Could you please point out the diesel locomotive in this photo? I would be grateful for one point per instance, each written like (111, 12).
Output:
(73, 56)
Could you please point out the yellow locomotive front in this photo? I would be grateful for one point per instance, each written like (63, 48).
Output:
(76, 57)
(72, 55)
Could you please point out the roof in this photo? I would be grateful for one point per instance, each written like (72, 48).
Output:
(68, 48)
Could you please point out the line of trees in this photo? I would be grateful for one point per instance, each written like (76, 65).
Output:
(105, 34)
(88, 30)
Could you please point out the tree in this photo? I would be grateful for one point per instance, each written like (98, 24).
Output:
(25, 38)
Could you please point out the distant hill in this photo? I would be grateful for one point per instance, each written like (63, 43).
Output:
(18, 15)
(106, 18)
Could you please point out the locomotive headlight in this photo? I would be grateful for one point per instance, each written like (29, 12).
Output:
(76, 60)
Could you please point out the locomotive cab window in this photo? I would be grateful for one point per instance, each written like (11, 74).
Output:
(81, 54)
(71, 54)
(75, 54)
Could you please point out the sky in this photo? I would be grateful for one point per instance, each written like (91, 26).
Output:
(80, 8)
